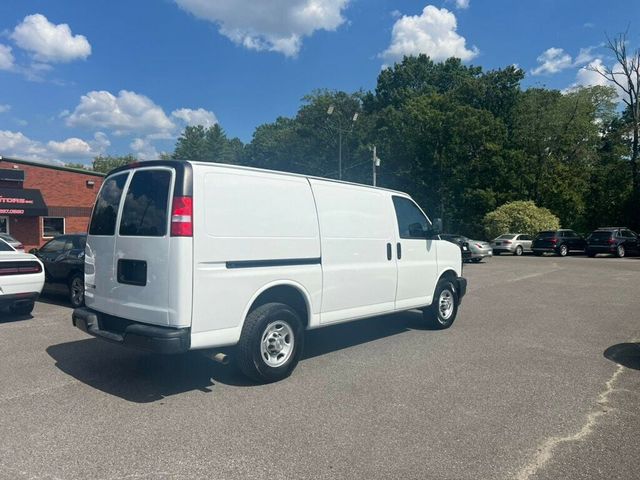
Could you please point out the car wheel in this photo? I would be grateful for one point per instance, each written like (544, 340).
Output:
(518, 251)
(476, 260)
(591, 254)
(271, 342)
(620, 252)
(22, 308)
(76, 290)
(563, 250)
(444, 308)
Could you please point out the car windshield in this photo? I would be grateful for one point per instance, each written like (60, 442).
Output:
(505, 237)
(5, 247)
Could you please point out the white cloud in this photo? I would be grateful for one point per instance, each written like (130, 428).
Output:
(195, 117)
(18, 145)
(272, 25)
(50, 43)
(552, 60)
(432, 33)
(584, 56)
(128, 112)
(586, 77)
(462, 4)
(144, 149)
(6, 57)
(5, 108)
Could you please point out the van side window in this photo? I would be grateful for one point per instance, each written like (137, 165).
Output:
(145, 206)
(103, 221)
(411, 221)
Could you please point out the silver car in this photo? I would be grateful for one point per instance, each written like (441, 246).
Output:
(479, 250)
(514, 243)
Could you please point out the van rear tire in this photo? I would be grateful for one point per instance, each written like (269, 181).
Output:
(444, 308)
(271, 343)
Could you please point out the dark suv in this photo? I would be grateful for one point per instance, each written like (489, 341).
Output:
(560, 242)
(618, 241)
(63, 259)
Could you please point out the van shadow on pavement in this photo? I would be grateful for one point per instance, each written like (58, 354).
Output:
(143, 377)
(625, 354)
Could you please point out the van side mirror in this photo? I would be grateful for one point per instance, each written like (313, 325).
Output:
(436, 228)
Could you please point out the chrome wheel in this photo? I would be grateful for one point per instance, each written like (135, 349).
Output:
(445, 304)
(563, 251)
(77, 291)
(620, 251)
(276, 345)
(518, 251)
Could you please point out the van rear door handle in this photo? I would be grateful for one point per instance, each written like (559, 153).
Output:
(388, 251)
(399, 250)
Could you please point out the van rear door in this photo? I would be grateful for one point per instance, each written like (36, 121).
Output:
(133, 276)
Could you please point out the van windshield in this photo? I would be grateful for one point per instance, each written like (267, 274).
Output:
(145, 207)
(103, 221)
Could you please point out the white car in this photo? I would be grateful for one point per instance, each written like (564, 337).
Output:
(193, 255)
(21, 280)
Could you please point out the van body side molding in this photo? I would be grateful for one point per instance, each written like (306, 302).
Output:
(284, 262)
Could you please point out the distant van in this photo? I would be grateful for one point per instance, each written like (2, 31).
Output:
(192, 255)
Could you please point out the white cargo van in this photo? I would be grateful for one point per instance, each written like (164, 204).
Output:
(193, 255)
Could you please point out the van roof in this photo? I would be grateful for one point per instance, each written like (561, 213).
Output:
(165, 163)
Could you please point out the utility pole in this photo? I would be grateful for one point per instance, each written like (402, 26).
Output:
(375, 163)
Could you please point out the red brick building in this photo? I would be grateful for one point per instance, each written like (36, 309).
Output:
(40, 201)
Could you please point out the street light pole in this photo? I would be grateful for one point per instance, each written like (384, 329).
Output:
(375, 163)
(341, 129)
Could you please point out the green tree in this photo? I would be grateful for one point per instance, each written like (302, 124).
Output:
(106, 163)
(519, 217)
(207, 145)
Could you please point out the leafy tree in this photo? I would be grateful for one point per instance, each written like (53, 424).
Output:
(208, 145)
(106, 163)
(519, 217)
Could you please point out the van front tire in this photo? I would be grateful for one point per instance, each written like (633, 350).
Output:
(271, 342)
(444, 308)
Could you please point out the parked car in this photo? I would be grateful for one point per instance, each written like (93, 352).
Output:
(194, 255)
(462, 242)
(618, 241)
(17, 245)
(514, 243)
(21, 279)
(63, 259)
(472, 250)
(560, 242)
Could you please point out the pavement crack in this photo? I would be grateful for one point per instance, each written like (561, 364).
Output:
(545, 451)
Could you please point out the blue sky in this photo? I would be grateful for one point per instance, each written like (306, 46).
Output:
(79, 78)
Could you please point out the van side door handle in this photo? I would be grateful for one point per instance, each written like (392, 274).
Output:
(388, 251)
(399, 250)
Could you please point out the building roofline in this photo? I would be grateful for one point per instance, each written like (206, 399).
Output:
(48, 165)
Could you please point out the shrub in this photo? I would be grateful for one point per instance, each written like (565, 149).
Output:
(519, 217)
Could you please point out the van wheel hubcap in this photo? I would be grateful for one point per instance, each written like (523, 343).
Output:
(277, 343)
(446, 304)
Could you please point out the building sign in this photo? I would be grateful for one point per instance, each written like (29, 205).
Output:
(22, 202)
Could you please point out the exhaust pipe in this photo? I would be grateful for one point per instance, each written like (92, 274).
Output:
(220, 357)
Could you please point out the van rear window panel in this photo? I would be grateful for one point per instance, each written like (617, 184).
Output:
(145, 210)
(105, 212)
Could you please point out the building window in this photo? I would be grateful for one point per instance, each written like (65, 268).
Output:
(52, 226)
(4, 224)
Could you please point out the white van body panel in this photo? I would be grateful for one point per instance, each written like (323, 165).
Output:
(245, 216)
(336, 244)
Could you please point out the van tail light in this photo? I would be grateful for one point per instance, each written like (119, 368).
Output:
(182, 217)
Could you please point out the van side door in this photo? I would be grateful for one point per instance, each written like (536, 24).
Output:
(358, 251)
(417, 256)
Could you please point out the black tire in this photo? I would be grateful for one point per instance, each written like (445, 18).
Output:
(519, 251)
(476, 260)
(76, 290)
(256, 327)
(620, 251)
(562, 250)
(433, 315)
(591, 254)
(22, 308)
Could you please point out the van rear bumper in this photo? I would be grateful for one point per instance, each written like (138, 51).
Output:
(132, 334)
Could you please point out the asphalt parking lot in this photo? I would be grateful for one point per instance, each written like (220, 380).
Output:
(539, 377)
